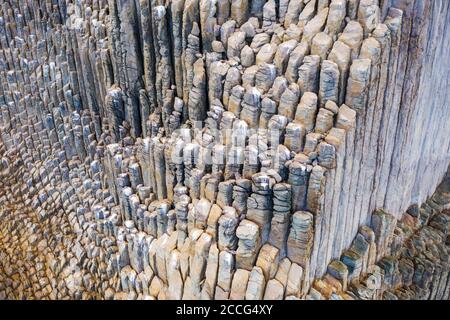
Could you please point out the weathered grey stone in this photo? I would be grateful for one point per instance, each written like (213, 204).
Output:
(248, 246)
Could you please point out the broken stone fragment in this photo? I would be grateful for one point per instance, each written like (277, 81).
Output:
(345, 118)
(353, 261)
(283, 271)
(293, 32)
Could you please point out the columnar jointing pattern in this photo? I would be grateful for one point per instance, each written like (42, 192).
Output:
(224, 149)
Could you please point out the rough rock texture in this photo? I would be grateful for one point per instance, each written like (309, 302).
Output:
(224, 149)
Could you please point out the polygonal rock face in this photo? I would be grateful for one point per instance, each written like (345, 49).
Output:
(224, 149)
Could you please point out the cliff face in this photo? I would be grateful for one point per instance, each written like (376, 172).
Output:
(224, 149)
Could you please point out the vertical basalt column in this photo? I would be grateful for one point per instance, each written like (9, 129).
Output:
(394, 23)
(357, 95)
(260, 205)
(216, 77)
(340, 54)
(227, 265)
(207, 23)
(336, 139)
(306, 111)
(288, 101)
(130, 61)
(282, 196)
(239, 11)
(197, 93)
(251, 107)
(241, 192)
(308, 74)
(160, 168)
(336, 16)
(201, 149)
(249, 244)
(115, 111)
(329, 82)
(251, 161)
(268, 109)
(190, 43)
(164, 74)
(177, 8)
(228, 223)
(146, 110)
(315, 205)
(321, 45)
(370, 49)
(300, 239)
(232, 89)
(190, 158)
(148, 54)
(298, 179)
(383, 35)
(346, 119)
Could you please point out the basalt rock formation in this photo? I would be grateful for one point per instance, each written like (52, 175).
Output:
(224, 149)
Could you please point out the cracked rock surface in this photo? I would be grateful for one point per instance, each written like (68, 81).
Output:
(229, 149)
